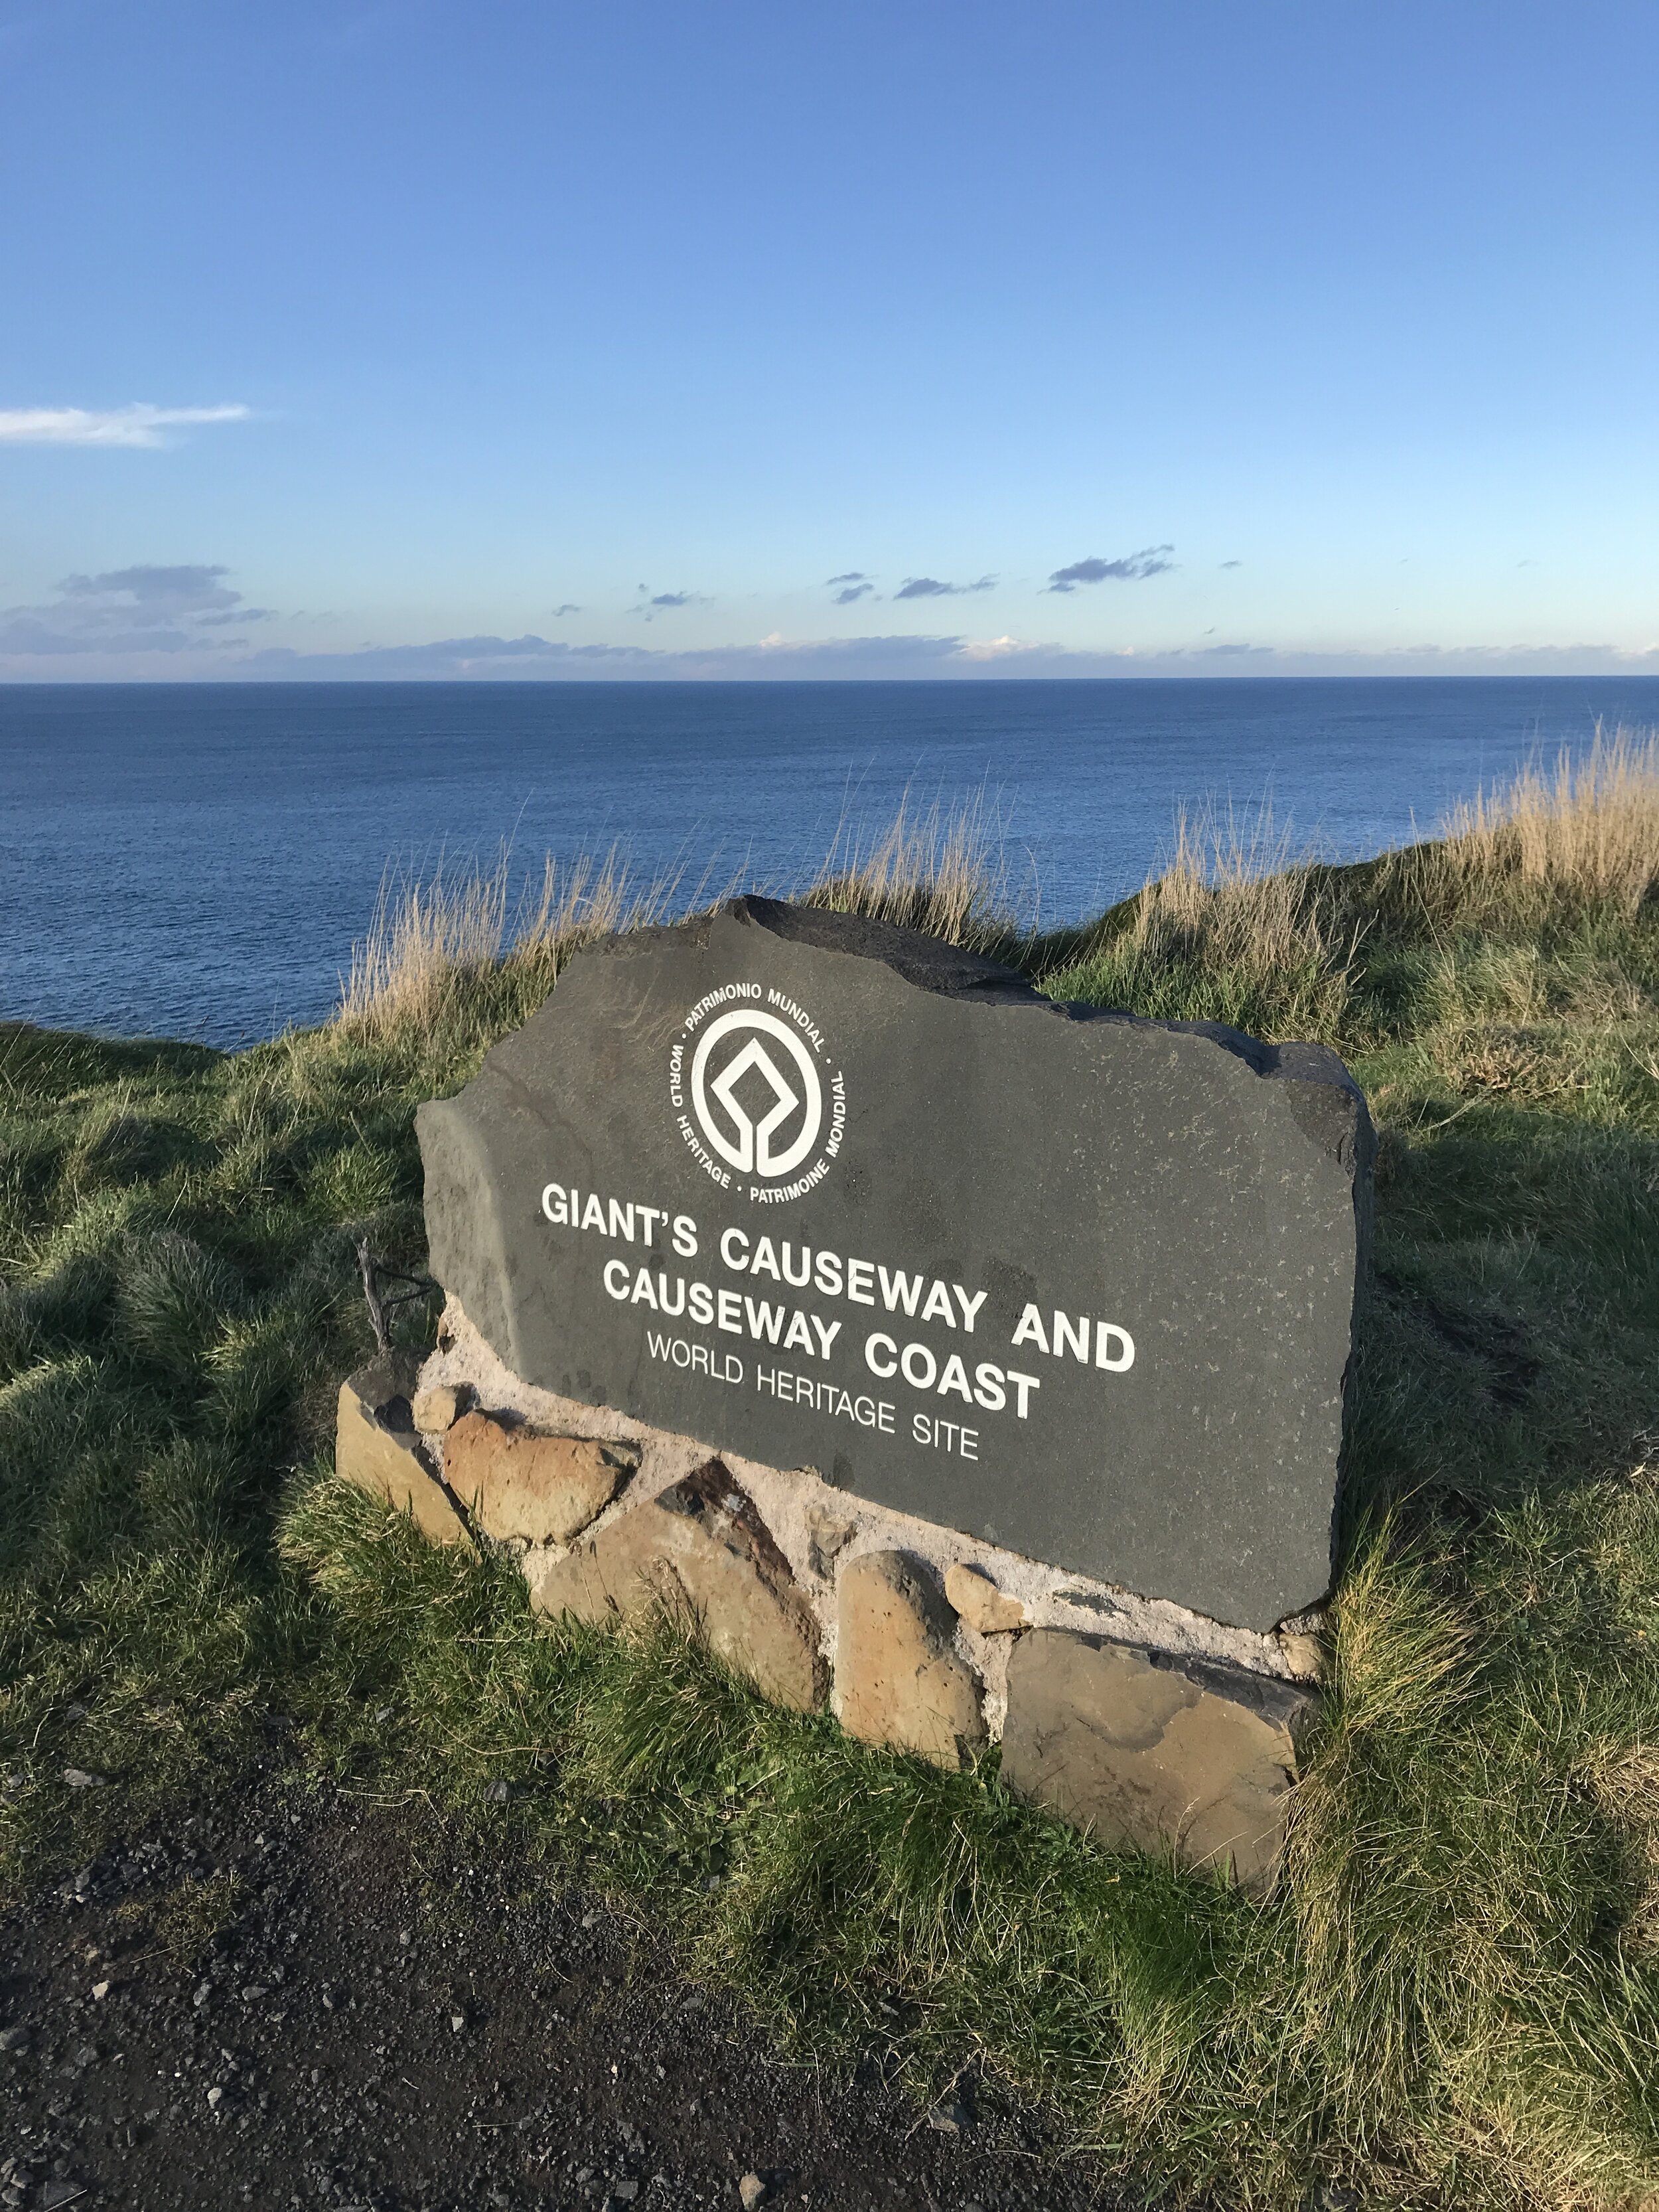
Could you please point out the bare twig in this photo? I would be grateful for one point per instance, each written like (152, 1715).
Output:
(381, 1307)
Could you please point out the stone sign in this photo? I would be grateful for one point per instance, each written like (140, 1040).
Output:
(827, 1193)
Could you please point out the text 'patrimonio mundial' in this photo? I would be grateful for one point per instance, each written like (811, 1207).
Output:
(945, 1367)
(753, 1094)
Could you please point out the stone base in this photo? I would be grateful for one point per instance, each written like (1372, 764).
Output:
(898, 1672)
(377, 1448)
(521, 1487)
(1142, 1723)
(1142, 1751)
(699, 1548)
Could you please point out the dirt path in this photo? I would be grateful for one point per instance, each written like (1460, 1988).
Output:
(378, 2022)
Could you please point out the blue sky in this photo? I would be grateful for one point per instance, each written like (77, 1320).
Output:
(412, 338)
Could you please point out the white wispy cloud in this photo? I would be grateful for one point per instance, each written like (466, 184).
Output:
(1000, 648)
(139, 424)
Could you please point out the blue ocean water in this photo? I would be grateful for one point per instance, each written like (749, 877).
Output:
(196, 860)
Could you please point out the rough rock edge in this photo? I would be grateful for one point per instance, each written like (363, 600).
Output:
(1327, 1104)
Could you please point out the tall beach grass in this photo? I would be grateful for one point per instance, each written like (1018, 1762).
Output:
(1235, 924)
(443, 949)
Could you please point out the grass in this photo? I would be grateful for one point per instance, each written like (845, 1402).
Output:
(1453, 1995)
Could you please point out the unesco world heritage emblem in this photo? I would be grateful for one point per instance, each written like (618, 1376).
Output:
(751, 1086)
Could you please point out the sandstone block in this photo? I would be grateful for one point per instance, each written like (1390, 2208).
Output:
(899, 1680)
(701, 1550)
(1304, 1655)
(980, 1602)
(376, 1447)
(828, 1536)
(438, 1409)
(523, 1487)
(1146, 1752)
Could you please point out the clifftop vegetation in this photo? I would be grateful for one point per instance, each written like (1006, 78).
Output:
(1454, 1993)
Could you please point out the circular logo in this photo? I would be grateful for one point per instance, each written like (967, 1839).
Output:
(752, 1044)
(751, 1086)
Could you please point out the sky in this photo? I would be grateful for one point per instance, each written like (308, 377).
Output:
(409, 338)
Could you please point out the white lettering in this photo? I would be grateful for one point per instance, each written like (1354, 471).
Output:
(944, 1435)
(1068, 1337)
(1024, 1384)
(719, 1367)
(1031, 1330)
(954, 1377)
(918, 1352)
(987, 1387)
(1121, 1361)
(798, 1332)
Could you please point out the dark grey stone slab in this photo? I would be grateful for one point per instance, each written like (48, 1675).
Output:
(827, 1193)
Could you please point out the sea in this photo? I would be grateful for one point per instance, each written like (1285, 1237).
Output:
(197, 861)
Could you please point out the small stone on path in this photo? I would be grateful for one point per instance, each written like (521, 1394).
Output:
(752, 2190)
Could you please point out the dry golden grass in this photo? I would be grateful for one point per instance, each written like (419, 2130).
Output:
(1239, 929)
(1229, 899)
(941, 872)
(1234, 928)
(423, 938)
(433, 943)
(1588, 832)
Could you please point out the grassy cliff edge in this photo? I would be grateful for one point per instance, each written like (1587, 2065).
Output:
(1453, 1995)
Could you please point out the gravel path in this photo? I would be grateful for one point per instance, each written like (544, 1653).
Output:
(315, 2002)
